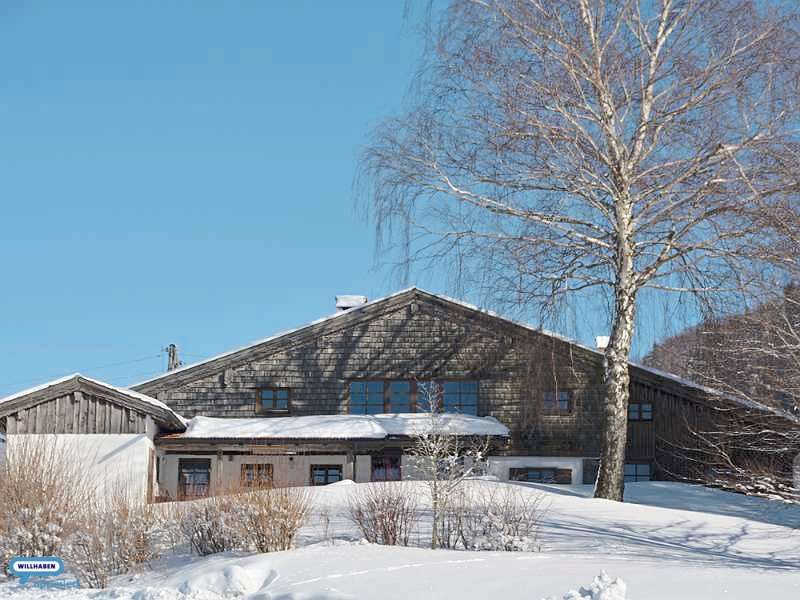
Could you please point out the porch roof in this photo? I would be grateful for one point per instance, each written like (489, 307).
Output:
(340, 427)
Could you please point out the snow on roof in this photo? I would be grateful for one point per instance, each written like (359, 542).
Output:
(340, 427)
(124, 391)
(39, 388)
(348, 301)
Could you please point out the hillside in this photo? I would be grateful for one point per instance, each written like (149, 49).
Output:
(668, 541)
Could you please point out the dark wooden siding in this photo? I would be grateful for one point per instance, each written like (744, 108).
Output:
(424, 338)
(77, 412)
(421, 340)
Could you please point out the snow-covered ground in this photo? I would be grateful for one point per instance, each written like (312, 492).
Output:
(669, 541)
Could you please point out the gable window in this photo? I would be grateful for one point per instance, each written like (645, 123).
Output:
(399, 396)
(557, 402)
(640, 412)
(256, 475)
(429, 393)
(273, 400)
(325, 474)
(366, 397)
(460, 397)
(386, 468)
(637, 472)
(402, 396)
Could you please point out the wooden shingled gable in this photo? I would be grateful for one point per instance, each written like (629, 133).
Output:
(376, 309)
(79, 404)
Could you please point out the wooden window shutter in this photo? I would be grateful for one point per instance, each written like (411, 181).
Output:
(564, 476)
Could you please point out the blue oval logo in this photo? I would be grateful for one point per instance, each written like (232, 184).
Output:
(26, 567)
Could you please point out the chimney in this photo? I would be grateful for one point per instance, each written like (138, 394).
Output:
(601, 342)
(348, 301)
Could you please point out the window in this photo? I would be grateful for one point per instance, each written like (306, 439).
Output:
(194, 476)
(428, 393)
(325, 474)
(386, 468)
(256, 475)
(637, 472)
(460, 397)
(273, 400)
(399, 396)
(366, 397)
(640, 412)
(373, 397)
(541, 475)
(557, 402)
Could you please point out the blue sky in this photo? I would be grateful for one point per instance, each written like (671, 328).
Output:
(182, 172)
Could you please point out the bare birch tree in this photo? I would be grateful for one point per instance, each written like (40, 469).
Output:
(602, 147)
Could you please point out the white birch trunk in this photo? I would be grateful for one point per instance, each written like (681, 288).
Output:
(611, 475)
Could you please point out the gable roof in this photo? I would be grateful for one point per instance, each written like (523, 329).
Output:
(364, 312)
(162, 413)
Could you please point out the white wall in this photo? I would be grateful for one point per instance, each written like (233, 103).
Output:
(293, 470)
(363, 468)
(113, 463)
(499, 465)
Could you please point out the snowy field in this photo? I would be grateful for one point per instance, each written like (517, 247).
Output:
(669, 541)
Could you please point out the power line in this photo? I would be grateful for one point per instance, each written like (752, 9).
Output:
(97, 368)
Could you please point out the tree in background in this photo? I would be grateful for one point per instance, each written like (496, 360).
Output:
(599, 149)
(753, 356)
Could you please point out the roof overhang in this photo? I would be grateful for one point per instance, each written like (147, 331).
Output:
(160, 412)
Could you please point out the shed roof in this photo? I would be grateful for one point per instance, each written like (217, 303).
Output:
(342, 427)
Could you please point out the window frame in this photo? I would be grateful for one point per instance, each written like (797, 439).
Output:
(514, 474)
(558, 411)
(274, 389)
(636, 477)
(197, 465)
(637, 415)
(260, 482)
(385, 458)
(416, 403)
(327, 467)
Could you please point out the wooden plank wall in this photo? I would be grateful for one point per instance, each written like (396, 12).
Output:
(77, 413)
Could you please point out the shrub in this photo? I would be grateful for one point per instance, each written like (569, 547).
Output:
(213, 525)
(385, 513)
(496, 518)
(115, 537)
(43, 486)
(272, 518)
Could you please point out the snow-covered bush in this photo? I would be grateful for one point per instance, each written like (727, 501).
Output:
(43, 488)
(385, 513)
(214, 525)
(115, 537)
(271, 518)
(498, 518)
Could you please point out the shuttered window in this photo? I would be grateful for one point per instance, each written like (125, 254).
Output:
(540, 475)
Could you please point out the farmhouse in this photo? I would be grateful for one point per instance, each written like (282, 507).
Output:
(343, 398)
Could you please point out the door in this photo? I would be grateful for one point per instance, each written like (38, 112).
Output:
(194, 478)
